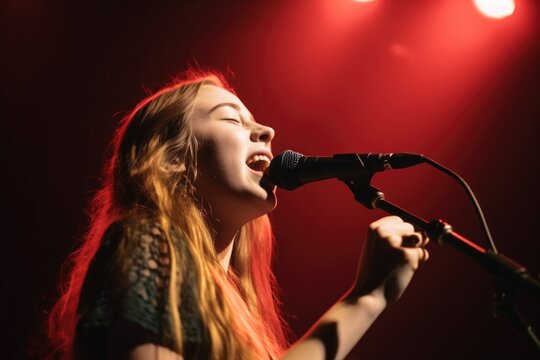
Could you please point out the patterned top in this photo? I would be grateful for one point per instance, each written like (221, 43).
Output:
(122, 307)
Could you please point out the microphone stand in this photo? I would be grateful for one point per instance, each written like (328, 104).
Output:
(512, 276)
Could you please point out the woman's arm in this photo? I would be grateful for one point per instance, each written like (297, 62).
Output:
(391, 254)
(153, 352)
(336, 333)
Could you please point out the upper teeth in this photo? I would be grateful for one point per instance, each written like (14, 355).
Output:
(255, 158)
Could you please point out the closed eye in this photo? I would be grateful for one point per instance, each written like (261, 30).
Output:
(237, 121)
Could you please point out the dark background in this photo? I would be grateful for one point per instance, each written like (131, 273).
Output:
(331, 76)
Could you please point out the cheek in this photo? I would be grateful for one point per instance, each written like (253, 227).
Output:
(222, 157)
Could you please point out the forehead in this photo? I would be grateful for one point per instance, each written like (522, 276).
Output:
(211, 95)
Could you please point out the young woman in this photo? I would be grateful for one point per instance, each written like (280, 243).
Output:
(176, 264)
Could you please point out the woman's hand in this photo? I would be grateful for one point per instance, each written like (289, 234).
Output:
(392, 252)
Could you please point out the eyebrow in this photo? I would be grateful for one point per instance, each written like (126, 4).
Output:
(230, 104)
(233, 105)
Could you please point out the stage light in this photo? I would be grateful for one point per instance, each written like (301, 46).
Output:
(366, 1)
(497, 9)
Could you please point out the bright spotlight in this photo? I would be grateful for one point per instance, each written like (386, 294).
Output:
(497, 9)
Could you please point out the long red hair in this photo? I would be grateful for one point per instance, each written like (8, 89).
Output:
(152, 170)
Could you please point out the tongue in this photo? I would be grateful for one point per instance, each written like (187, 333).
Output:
(258, 165)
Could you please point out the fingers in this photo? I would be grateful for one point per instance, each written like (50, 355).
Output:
(402, 235)
(411, 240)
(384, 220)
(425, 254)
(417, 239)
(392, 253)
(414, 256)
(398, 232)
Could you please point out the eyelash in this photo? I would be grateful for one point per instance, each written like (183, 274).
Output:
(238, 121)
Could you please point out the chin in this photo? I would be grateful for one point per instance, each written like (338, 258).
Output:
(251, 198)
(265, 204)
(263, 192)
(260, 204)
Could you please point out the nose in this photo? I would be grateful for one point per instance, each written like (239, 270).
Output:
(262, 133)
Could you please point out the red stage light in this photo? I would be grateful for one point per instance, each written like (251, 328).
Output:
(497, 9)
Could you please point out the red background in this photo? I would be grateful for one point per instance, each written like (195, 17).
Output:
(331, 76)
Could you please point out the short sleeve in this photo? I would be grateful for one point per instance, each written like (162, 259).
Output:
(123, 306)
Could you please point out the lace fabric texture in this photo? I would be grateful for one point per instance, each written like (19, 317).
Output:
(122, 307)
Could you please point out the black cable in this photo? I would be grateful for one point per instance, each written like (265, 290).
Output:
(470, 193)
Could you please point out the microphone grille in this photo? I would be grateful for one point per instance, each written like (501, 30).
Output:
(282, 168)
(290, 159)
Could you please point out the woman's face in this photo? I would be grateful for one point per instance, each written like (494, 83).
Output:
(233, 153)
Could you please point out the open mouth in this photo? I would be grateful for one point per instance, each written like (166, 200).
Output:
(259, 162)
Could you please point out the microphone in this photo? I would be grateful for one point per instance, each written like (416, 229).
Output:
(290, 169)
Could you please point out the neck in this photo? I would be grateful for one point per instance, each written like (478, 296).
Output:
(224, 256)
(224, 230)
(224, 241)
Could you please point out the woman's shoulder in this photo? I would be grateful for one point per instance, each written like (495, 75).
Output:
(130, 237)
(133, 253)
(130, 226)
(128, 276)
(126, 287)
